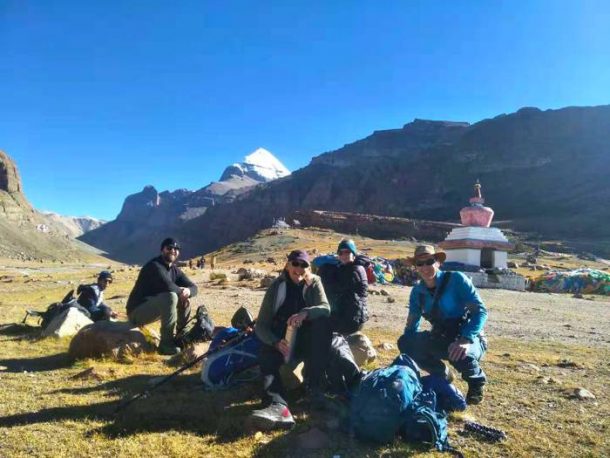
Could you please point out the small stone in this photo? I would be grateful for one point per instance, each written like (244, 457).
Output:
(383, 292)
(313, 439)
(390, 299)
(530, 367)
(88, 374)
(583, 394)
(386, 346)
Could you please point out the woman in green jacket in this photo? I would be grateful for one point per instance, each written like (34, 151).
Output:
(295, 299)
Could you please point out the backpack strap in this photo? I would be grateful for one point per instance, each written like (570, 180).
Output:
(437, 297)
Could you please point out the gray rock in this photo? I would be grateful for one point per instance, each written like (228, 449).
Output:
(266, 282)
(119, 340)
(583, 394)
(313, 439)
(362, 348)
(67, 323)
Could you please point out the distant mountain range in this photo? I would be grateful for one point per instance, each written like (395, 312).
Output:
(544, 171)
(74, 226)
(148, 216)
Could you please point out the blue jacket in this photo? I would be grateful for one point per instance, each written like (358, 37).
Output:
(459, 296)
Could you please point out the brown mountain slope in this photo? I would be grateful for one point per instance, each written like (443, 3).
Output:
(27, 234)
(543, 170)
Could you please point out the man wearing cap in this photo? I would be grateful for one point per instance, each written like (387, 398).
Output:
(296, 298)
(91, 297)
(162, 291)
(450, 302)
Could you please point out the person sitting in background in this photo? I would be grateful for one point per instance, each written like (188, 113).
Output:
(91, 297)
(296, 298)
(450, 302)
(162, 291)
(346, 284)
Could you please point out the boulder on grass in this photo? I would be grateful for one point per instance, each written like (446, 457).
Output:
(67, 323)
(115, 339)
(362, 348)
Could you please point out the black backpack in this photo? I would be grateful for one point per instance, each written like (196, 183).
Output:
(56, 309)
(198, 329)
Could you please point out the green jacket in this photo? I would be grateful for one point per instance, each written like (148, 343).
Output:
(315, 301)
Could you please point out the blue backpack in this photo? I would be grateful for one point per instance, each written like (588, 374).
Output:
(391, 401)
(224, 368)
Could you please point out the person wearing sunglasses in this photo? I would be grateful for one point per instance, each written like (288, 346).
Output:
(91, 297)
(451, 303)
(162, 291)
(296, 298)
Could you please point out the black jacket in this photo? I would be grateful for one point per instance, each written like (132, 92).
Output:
(347, 289)
(157, 277)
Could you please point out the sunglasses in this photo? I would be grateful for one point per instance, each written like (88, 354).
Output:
(427, 262)
(170, 248)
(303, 265)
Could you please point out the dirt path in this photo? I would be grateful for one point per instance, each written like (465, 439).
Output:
(530, 316)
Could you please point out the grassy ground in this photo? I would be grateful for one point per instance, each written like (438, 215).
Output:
(46, 409)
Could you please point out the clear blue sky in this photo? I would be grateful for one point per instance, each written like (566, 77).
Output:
(99, 98)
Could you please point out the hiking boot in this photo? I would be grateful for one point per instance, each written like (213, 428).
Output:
(275, 416)
(475, 394)
(168, 349)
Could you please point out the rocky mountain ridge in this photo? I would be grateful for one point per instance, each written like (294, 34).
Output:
(27, 234)
(74, 226)
(544, 171)
(147, 216)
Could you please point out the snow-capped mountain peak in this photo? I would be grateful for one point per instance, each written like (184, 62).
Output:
(261, 165)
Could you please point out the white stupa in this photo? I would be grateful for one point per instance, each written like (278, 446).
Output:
(475, 243)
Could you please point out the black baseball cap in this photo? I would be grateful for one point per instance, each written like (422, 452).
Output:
(105, 275)
(171, 243)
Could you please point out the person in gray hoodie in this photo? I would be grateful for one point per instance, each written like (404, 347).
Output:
(295, 299)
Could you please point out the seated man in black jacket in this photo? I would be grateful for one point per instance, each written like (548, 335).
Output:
(162, 292)
(91, 297)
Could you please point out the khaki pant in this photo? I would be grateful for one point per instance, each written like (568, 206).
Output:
(165, 306)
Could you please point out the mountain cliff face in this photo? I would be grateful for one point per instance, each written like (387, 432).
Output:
(149, 216)
(14, 206)
(26, 234)
(545, 171)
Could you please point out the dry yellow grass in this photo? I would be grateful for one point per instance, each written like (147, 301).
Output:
(44, 411)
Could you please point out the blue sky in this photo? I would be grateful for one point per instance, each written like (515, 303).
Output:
(100, 98)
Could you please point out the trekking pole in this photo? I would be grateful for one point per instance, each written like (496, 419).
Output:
(144, 394)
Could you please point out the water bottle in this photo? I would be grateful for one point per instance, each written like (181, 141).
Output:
(291, 338)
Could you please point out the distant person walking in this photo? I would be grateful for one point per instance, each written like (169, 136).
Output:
(91, 297)
(162, 291)
(450, 302)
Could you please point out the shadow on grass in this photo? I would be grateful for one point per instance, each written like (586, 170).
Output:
(20, 331)
(38, 364)
(179, 405)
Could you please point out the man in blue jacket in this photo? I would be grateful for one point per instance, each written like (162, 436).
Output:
(450, 302)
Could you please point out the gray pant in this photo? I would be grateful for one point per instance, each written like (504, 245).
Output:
(165, 306)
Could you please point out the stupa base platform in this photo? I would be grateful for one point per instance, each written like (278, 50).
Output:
(497, 281)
